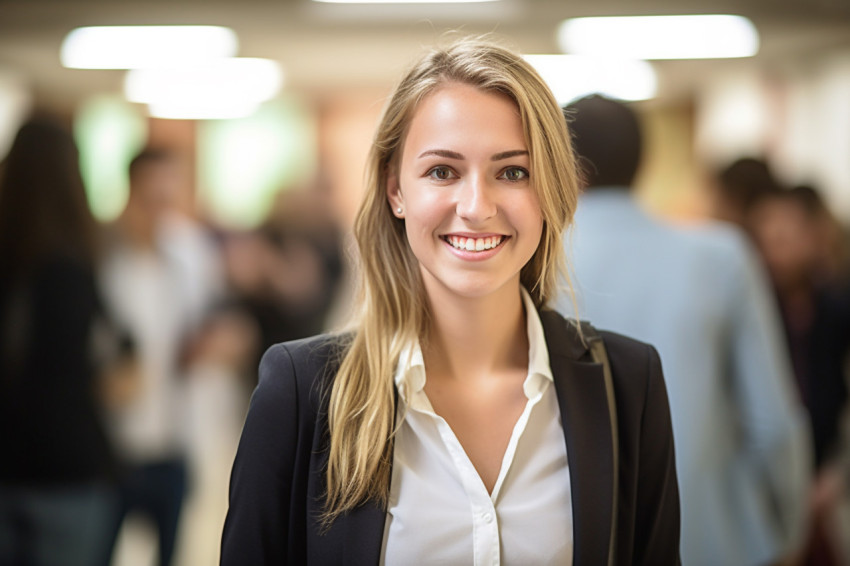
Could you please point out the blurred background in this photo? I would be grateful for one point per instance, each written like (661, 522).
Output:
(266, 193)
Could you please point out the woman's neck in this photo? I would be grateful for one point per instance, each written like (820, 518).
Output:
(476, 338)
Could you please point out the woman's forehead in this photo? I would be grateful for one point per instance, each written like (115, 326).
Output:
(463, 115)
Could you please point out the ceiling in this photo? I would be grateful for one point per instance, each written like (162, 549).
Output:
(329, 49)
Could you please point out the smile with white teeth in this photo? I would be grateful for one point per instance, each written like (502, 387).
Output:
(473, 244)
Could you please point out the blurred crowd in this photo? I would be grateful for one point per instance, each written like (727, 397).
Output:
(804, 250)
(128, 350)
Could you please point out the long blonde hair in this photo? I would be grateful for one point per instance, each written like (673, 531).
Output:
(393, 309)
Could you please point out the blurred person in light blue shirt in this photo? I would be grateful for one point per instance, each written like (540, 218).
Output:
(699, 296)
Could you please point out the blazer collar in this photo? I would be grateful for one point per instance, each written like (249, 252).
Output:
(580, 388)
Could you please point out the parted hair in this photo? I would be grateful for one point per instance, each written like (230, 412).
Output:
(393, 309)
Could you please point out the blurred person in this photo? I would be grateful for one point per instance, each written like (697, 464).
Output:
(56, 465)
(737, 186)
(827, 256)
(285, 275)
(695, 293)
(162, 279)
(461, 421)
(794, 230)
(791, 229)
(302, 219)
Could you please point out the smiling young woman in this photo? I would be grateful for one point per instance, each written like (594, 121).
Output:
(460, 421)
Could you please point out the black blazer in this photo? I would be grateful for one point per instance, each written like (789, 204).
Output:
(278, 475)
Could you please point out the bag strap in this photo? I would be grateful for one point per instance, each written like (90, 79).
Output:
(600, 356)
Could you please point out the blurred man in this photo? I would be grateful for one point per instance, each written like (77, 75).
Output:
(697, 295)
(160, 278)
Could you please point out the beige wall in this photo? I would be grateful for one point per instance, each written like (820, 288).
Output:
(670, 181)
(346, 126)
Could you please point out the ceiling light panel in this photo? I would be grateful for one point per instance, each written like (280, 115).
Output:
(572, 76)
(404, 1)
(135, 47)
(224, 88)
(660, 37)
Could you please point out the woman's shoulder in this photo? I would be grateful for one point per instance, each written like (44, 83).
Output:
(634, 363)
(287, 401)
(300, 367)
(306, 353)
(626, 346)
(635, 368)
(574, 336)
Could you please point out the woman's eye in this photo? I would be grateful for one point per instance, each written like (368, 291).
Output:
(441, 173)
(515, 174)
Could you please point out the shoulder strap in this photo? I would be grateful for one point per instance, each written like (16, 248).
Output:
(600, 356)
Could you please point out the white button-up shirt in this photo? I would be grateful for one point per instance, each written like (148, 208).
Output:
(439, 509)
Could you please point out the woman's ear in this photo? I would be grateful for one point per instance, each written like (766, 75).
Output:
(394, 195)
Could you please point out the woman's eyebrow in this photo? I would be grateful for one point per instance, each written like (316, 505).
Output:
(455, 155)
(508, 154)
(442, 153)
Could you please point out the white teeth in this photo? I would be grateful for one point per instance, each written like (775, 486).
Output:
(474, 244)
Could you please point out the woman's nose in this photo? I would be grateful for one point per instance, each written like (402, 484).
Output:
(475, 202)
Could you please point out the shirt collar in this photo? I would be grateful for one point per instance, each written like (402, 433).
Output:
(410, 369)
(539, 370)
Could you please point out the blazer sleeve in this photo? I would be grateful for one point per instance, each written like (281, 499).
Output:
(657, 520)
(256, 528)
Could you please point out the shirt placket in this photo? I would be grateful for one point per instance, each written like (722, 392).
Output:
(485, 525)
(485, 521)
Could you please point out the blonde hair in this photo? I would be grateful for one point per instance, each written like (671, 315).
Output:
(393, 308)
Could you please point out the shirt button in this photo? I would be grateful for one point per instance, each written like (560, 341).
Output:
(488, 518)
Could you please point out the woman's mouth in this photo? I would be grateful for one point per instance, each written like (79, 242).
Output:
(474, 244)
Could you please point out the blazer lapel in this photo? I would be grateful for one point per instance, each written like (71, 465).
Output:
(580, 388)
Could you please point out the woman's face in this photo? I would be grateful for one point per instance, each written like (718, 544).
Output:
(464, 185)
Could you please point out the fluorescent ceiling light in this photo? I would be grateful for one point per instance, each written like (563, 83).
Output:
(573, 76)
(403, 1)
(203, 110)
(660, 37)
(134, 47)
(218, 89)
